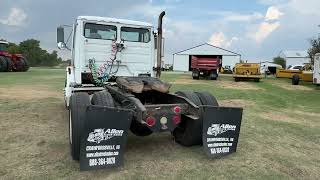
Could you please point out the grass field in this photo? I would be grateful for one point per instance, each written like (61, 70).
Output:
(279, 139)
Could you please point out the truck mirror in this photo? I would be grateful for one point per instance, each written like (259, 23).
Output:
(62, 45)
(60, 34)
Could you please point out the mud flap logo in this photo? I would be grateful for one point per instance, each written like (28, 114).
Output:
(216, 129)
(99, 135)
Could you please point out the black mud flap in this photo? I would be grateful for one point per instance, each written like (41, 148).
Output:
(221, 128)
(104, 137)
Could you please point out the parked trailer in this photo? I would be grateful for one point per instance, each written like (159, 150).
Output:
(295, 75)
(107, 94)
(11, 62)
(204, 66)
(245, 71)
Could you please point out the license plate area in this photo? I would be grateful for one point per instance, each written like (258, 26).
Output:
(163, 117)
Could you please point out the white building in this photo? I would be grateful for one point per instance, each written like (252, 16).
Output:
(295, 57)
(182, 59)
(271, 67)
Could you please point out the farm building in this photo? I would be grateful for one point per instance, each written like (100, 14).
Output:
(295, 57)
(182, 59)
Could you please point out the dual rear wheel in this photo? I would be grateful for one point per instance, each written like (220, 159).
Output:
(3, 64)
(77, 112)
(18, 65)
(189, 131)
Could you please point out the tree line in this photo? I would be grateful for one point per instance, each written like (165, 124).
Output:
(35, 55)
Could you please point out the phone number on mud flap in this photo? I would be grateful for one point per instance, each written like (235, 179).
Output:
(102, 161)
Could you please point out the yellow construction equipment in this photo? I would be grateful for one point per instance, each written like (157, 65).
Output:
(245, 71)
(295, 75)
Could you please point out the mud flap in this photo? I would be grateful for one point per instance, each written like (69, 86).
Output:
(221, 128)
(104, 137)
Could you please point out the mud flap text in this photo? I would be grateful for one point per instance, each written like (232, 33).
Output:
(221, 128)
(104, 137)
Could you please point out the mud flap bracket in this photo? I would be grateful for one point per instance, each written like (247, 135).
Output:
(104, 137)
(221, 128)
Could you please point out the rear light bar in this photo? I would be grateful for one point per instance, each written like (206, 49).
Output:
(177, 109)
(176, 119)
(150, 121)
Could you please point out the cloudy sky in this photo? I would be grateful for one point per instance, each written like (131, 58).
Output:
(257, 29)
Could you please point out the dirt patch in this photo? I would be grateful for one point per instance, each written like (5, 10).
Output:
(187, 79)
(238, 85)
(311, 116)
(282, 117)
(302, 113)
(188, 82)
(236, 103)
(28, 92)
(291, 87)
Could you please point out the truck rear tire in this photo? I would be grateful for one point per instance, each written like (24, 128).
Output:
(207, 99)
(102, 98)
(195, 74)
(9, 64)
(26, 65)
(78, 103)
(213, 75)
(3, 64)
(295, 79)
(19, 65)
(189, 131)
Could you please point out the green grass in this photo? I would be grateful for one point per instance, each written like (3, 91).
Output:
(279, 136)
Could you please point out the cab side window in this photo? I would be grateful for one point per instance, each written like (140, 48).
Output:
(135, 34)
(100, 31)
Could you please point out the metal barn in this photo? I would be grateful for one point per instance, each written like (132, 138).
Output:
(295, 57)
(182, 59)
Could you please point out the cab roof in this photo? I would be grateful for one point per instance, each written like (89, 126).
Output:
(3, 42)
(114, 20)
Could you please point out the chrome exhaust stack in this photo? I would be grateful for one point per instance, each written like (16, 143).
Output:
(159, 44)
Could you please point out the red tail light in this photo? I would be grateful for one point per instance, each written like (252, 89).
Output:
(150, 121)
(177, 109)
(176, 120)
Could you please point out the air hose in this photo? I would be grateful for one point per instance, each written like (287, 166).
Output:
(100, 74)
(98, 79)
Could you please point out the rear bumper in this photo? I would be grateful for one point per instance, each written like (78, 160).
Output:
(247, 76)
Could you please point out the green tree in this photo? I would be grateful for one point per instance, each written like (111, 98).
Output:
(315, 48)
(31, 49)
(38, 56)
(35, 55)
(51, 59)
(13, 48)
(279, 60)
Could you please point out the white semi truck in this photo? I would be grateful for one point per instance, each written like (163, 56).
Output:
(112, 85)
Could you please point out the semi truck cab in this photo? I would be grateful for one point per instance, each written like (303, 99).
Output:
(123, 48)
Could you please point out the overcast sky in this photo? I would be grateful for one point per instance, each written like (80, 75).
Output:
(257, 29)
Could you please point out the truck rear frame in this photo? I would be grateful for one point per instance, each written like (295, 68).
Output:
(102, 111)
